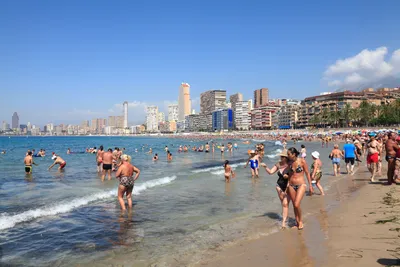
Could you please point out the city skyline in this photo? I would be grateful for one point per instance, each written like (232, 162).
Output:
(77, 66)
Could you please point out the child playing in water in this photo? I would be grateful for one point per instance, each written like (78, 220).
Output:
(228, 171)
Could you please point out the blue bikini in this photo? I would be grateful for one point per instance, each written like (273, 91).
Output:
(253, 164)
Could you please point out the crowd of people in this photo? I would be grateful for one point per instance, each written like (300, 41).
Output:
(292, 169)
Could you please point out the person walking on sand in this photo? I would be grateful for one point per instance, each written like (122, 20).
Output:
(391, 148)
(282, 169)
(396, 176)
(349, 152)
(107, 159)
(228, 171)
(254, 160)
(126, 180)
(58, 160)
(28, 161)
(297, 185)
(316, 172)
(372, 156)
(336, 155)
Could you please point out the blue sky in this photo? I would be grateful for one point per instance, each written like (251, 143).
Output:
(65, 61)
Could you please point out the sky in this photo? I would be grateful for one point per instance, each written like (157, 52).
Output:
(68, 61)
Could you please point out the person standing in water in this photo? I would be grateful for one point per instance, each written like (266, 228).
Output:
(254, 160)
(303, 152)
(107, 159)
(282, 168)
(316, 173)
(58, 160)
(207, 147)
(228, 171)
(297, 185)
(155, 158)
(126, 180)
(99, 158)
(28, 161)
(169, 156)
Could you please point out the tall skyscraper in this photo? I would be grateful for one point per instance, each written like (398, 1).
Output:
(116, 121)
(152, 119)
(260, 97)
(173, 112)
(212, 100)
(15, 121)
(250, 101)
(185, 106)
(125, 114)
(161, 117)
(235, 98)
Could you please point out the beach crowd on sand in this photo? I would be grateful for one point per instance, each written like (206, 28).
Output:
(295, 177)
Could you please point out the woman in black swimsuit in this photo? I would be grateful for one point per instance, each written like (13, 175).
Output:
(297, 185)
(282, 168)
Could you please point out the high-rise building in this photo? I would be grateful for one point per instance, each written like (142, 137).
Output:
(233, 99)
(6, 126)
(173, 112)
(222, 119)
(242, 117)
(263, 117)
(98, 125)
(15, 121)
(29, 127)
(260, 97)
(152, 119)
(85, 124)
(116, 121)
(212, 100)
(125, 124)
(184, 103)
(198, 122)
(161, 117)
(250, 102)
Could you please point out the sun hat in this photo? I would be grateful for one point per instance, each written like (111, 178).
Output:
(54, 157)
(356, 142)
(252, 151)
(283, 154)
(315, 154)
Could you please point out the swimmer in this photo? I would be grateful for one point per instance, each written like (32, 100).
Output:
(169, 156)
(155, 158)
(107, 160)
(228, 171)
(58, 160)
(3, 152)
(28, 161)
(207, 147)
(222, 149)
(68, 151)
(253, 160)
(166, 149)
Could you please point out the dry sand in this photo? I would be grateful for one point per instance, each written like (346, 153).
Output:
(359, 227)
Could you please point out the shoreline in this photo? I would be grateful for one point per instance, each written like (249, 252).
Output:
(359, 228)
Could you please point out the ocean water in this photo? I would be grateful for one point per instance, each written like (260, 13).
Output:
(52, 218)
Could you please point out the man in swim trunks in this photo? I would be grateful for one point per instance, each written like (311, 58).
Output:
(336, 155)
(207, 147)
(391, 148)
(28, 161)
(373, 156)
(58, 160)
(107, 159)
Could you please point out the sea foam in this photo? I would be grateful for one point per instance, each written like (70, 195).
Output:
(10, 220)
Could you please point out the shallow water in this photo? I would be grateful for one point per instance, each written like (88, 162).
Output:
(64, 218)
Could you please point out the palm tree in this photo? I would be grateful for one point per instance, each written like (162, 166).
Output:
(324, 116)
(346, 113)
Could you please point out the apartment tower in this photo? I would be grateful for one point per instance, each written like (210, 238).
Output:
(184, 104)
(260, 97)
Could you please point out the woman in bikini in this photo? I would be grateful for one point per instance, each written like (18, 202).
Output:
(316, 172)
(297, 185)
(126, 181)
(282, 168)
(228, 171)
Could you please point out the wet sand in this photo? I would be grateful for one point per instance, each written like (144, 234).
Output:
(355, 224)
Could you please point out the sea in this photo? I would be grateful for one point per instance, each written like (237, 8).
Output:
(53, 218)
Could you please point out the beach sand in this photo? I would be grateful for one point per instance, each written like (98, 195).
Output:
(355, 224)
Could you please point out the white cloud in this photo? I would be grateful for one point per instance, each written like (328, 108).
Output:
(365, 69)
